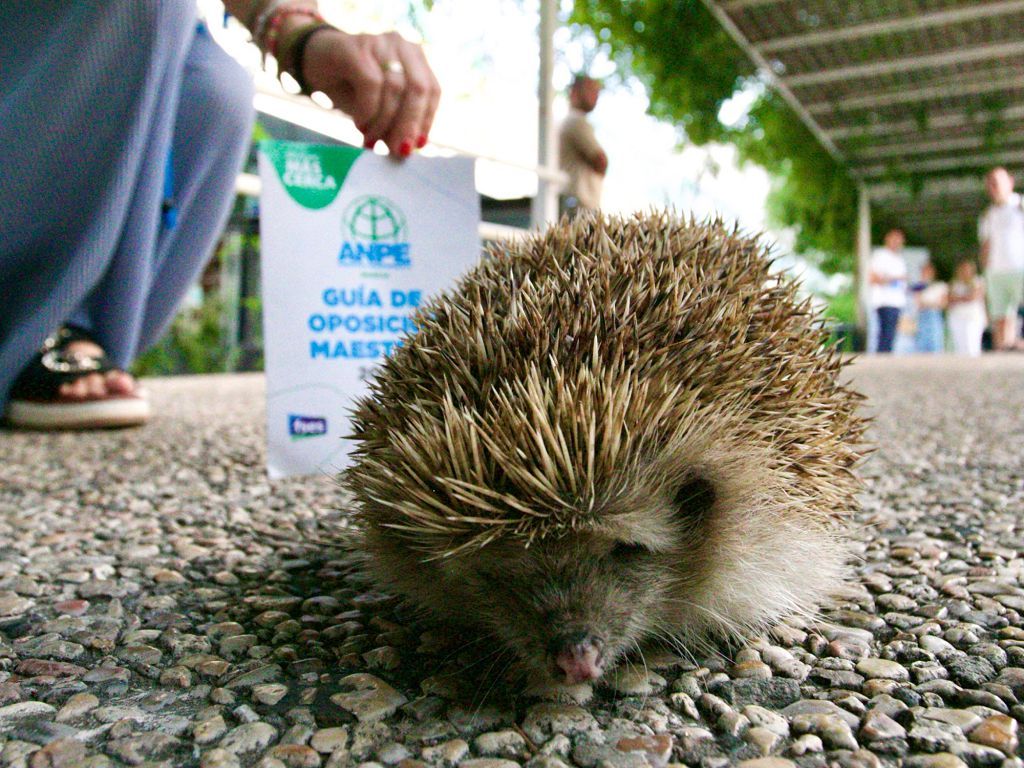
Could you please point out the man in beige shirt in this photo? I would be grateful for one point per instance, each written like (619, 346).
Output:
(580, 156)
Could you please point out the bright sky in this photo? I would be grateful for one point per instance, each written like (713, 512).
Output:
(485, 54)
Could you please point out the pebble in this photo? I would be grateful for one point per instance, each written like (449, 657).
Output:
(806, 744)
(963, 719)
(372, 699)
(833, 731)
(76, 706)
(219, 758)
(882, 668)
(328, 740)
(262, 674)
(141, 748)
(269, 693)
(632, 681)
(508, 743)
(544, 720)
(932, 738)
(877, 725)
(23, 709)
(249, 737)
(209, 730)
(998, 732)
(448, 752)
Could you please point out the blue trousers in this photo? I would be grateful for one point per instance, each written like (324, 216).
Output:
(93, 97)
(888, 317)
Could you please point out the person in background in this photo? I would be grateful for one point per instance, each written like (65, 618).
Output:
(966, 310)
(115, 115)
(887, 276)
(930, 298)
(1001, 233)
(579, 153)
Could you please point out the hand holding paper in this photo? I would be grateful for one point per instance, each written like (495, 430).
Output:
(383, 82)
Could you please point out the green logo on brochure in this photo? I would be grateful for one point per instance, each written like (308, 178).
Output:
(376, 235)
(375, 219)
(312, 174)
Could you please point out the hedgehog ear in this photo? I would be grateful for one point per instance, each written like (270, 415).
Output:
(695, 497)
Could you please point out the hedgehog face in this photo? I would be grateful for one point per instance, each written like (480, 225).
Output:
(571, 607)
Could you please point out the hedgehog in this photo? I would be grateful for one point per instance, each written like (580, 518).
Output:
(620, 432)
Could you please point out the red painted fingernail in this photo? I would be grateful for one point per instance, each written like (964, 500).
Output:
(405, 149)
(421, 142)
(369, 143)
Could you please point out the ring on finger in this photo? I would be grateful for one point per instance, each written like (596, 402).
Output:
(392, 65)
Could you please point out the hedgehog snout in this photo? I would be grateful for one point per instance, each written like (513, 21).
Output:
(579, 655)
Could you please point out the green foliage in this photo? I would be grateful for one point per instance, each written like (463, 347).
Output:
(841, 320)
(195, 343)
(690, 67)
(842, 308)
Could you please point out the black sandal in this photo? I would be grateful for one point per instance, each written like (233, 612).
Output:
(36, 401)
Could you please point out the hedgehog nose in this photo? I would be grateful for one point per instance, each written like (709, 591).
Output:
(579, 656)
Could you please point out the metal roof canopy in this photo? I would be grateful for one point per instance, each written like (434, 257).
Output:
(891, 88)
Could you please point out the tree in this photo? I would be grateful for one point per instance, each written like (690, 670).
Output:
(690, 67)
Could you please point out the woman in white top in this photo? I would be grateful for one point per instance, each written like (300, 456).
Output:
(887, 275)
(966, 310)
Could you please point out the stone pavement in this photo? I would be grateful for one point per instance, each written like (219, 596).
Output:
(147, 617)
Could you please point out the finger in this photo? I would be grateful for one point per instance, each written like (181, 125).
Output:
(390, 103)
(433, 99)
(120, 383)
(366, 81)
(392, 89)
(407, 127)
(79, 389)
(96, 385)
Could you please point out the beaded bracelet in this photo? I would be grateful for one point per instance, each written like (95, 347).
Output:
(259, 27)
(273, 33)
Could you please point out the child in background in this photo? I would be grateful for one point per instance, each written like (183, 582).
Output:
(930, 297)
(966, 315)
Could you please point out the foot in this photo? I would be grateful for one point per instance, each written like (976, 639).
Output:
(70, 384)
(93, 386)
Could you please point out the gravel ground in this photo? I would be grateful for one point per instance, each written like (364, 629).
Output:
(147, 617)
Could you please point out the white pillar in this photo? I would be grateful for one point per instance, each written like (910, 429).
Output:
(545, 204)
(863, 254)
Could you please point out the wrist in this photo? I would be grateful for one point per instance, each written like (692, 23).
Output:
(295, 21)
(292, 51)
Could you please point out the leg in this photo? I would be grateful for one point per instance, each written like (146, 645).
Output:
(212, 132)
(887, 319)
(956, 332)
(1005, 291)
(212, 137)
(932, 321)
(997, 334)
(87, 98)
(973, 331)
(1009, 333)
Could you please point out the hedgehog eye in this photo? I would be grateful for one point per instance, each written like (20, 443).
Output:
(695, 497)
(629, 549)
